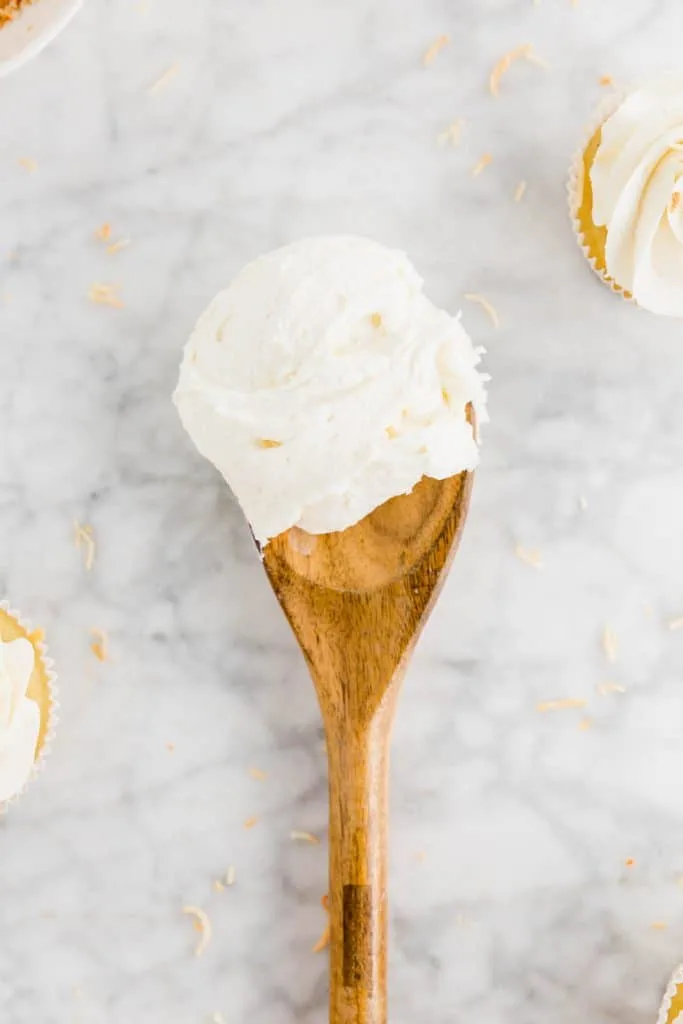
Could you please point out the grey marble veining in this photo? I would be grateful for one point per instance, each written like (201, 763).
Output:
(511, 901)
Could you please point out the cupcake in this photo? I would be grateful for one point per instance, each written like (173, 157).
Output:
(27, 704)
(626, 195)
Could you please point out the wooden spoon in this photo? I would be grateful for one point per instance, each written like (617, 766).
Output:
(357, 601)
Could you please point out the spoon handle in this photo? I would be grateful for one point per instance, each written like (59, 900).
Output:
(359, 782)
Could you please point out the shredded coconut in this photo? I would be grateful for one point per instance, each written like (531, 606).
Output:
(485, 304)
(304, 837)
(481, 163)
(564, 704)
(605, 688)
(519, 191)
(84, 536)
(609, 644)
(525, 52)
(29, 164)
(451, 134)
(529, 556)
(324, 939)
(122, 243)
(99, 644)
(105, 295)
(163, 81)
(203, 925)
(436, 48)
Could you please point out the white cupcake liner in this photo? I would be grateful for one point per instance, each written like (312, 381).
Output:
(53, 709)
(33, 28)
(575, 182)
(675, 982)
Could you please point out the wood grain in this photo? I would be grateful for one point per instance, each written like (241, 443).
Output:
(357, 601)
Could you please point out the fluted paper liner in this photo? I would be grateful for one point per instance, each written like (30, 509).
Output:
(591, 238)
(672, 1003)
(49, 718)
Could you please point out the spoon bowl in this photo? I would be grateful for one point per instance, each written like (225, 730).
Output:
(357, 601)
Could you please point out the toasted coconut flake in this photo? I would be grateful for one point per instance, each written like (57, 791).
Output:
(99, 644)
(605, 688)
(525, 52)
(610, 645)
(481, 163)
(161, 82)
(257, 774)
(392, 432)
(218, 886)
(606, 80)
(630, 862)
(105, 295)
(28, 163)
(435, 49)
(529, 556)
(564, 704)
(376, 319)
(250, 822)
(115, 247)
(452, 134)
(485, 305)
(324, 939)
(170, 747)
(304, 837)
(675, 624)
(203, 925)
(659, 926)
(103, 232)
(519, 191)
(585, 724)
(264, 442)
(84, 536)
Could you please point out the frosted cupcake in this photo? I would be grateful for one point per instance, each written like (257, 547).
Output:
(626, 195)
(27, 704)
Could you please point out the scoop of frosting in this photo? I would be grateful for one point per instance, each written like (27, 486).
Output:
(19, 717)
(322, 382)
(637, 182)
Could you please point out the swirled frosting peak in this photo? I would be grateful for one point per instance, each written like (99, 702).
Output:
(637, 183)
(323, 382)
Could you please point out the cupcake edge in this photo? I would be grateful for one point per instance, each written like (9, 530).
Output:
(575, 188)
(672, 988)
(53, 705)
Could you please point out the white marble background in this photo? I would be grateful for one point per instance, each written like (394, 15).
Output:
(512, 903)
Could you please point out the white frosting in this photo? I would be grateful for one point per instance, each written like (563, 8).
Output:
(329, 348)
(637, 180)
(19, 717)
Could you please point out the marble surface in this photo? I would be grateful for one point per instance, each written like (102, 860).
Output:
(511, 898)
